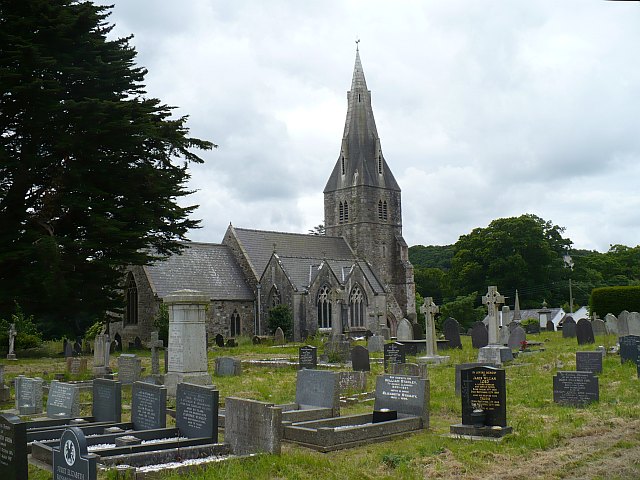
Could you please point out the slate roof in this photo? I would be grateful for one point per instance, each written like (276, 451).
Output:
(259, 245)
(207, 267)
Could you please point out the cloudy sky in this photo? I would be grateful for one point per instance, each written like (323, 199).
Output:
(485, 109)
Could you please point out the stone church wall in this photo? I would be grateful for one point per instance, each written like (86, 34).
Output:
(219, 317)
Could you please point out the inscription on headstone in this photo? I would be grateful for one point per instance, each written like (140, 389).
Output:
(405, 394)
(63, 400)
(129, 368)
(148, 406)
(484, 388)
(197, 411)
(589, 362)
(28, 395)
(13, 447)
(308, 357)
(630, 348)
(71, 460)
(575, 388)
(393, 353)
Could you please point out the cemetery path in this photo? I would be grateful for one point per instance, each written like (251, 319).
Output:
(607, 451)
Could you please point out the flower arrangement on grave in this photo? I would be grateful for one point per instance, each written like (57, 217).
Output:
(523, 345)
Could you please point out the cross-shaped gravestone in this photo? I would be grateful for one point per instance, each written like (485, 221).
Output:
(429, 310)
(155, 344)
(492, 299)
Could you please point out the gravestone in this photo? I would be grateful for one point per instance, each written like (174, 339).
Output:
(575, 389)
(278, 336)
(252, 426)
(67, 348)
(148, 406)
(219, 340)
(187, 339)
(630, 348)
(360, 359)
(633, 322)
(611, 322)
(532, 328)
(155, 344)
(197, 411)
(63, 400)
(451, 329)
(375, 344)
(337, 348)
(393, 353)
(517, 337)
(623, 323)
(13, 448)
(584, 332)
(550, 326)
(568, 327)
(479, 335)
(129, 368)
(231, 342)
(404, 331)
(77, 346)
(228, 366)
(76, 365)
(589, 362)
(72, 460)
(406, 395)
(349, 382)
(318, 388)
(117, 343)
(308, 357)
(412, 369)
(5, 390)
(484, 403)
(28, 395)
(101, 347)
(418, 333)
(599, 327)
(107, 400)
(429, 309)
(462, 366)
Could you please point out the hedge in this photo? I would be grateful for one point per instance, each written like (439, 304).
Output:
(614, 300)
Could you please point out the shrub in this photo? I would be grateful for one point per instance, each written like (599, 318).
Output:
(27, 335)
(161, 323)
(614, 300)
(93, 331)
(281, 316)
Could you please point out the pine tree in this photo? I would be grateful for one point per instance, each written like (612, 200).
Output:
(91, 169)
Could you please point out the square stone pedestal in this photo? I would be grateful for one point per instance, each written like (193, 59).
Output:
(497, 354)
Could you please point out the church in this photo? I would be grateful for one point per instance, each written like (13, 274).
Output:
(355, 276)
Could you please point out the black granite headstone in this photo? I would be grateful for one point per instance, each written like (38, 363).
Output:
(584, 332)
(479, 335)
(308, 357)
(77, 346)
(393, 353)
(360, 359)
(589, 362)
(418, 331)
(13, 447)
(575, 388)
(630, 348)
(451, 329)
(462, 366)
(219, 340)
(568, 327)
(197, 411)
(107, 400)
(148, 406)
(484, 388)
(71, 460)
(550, 326)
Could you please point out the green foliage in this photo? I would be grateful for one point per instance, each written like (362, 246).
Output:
(464, 309)
(27, 335)
(529, 321)
(93, 331)
(431, 256)
(93, 170)
(161, 323)
(614, 300)
(430, 282)
(281, 316)
(394, 460)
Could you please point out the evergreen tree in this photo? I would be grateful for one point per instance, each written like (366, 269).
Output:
(90, 168)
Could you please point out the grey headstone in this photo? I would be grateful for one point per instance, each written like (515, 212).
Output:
(405, 394)
(228, 366)
(337, 348)
(71, 460)
(411, 369)
(532, 328)
(404, 330)
(611, 322)
(451, 329)
(375, 344)
(633, 322)
(68, 348)
(129, 368)
(575, 388)
(568, 327)
(352, 382)
(479, 335)
(197, 411)
(148, 406)
(308, 357)
(584, 332)
(28, 395)
(589, 362)
(516, 338)
(623, 323)
(360, 359)
(278, 337)
(599, 327)
(107, 400)
(63, 400)
(252, 426)
(630, 348)
(317, 388)
(13, 448)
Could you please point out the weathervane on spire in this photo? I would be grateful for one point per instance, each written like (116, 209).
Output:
(357, 42)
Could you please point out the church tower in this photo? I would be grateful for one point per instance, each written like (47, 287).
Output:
(362, 201)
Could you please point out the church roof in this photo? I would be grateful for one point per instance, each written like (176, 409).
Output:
(207, 267)
(361, 161)
(260, 244)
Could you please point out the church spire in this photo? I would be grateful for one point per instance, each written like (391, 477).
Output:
(361, 161)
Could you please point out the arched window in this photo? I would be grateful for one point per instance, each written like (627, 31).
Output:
(380, 164)
(235, 324)
(346, 212)
(357, 304)
(324, 308)
(131, 313)
(342, 164)
(380, 209)
(384, 210)
(274, 297)
(341, 217)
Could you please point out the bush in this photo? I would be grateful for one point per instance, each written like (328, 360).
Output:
(27, 335)
(161, 323)
(93, 331)
(614, 300)
(281, 316)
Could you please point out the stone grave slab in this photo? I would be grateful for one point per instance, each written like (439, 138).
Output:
(197, 416)
(484, 403)
(252, 426)
(630, 348)
(76, 365)
(63, 400)
(568, 327)
(550, 326)
(13, 447)
(317, 388)
(308, 357)
(337, 348)
(575, 389)
(129, 368)
(393, 353)
(107, 400)
(360, 359)
(516, 338)
(599, 327)
(72, 460)
(633, 322)
(589, 362)
(148, 406)
(404, 331)
(375, 344)
(228, 366)
(278, 337)
(28, 395)
(352, 382)
(451, 329)
(584, 332)
(412, 369)
(479, 335)
(611, 322)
